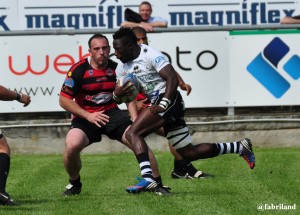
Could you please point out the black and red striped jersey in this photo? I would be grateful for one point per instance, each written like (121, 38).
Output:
(91, 88)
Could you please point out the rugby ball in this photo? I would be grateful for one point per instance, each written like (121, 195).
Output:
(129, 80)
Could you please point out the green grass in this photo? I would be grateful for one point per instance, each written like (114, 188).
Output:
(36, 182)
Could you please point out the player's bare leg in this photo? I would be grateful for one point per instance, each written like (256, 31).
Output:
(152, 158)
(148, 123)
(183, 168)
(136, 134)
(76, 141)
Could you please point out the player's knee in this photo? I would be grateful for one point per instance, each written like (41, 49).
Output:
(129, 135)
(4, 147)
(73, 146)
(179, 138)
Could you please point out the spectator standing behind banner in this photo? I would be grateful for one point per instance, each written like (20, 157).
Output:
(143, 18)
(290, 20)
(7, 95)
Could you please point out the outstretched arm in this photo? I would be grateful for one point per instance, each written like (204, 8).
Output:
(9, 95)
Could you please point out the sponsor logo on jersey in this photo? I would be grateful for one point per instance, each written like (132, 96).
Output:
(101, 79)
(158, 59)
(99, 98)
(69, 82)
(109, 72)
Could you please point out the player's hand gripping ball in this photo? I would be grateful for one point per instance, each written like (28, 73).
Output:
(131, 82)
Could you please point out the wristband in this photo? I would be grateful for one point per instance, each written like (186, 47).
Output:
(116, 98)
(18, 96)
(164, 103)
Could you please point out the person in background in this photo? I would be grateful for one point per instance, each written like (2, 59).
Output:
(290, 20)
(148, 22)
(87, 93)
(158, 80)
(8, 95)
(182, 168)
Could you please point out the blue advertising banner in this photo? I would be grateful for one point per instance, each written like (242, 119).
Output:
(109, 14)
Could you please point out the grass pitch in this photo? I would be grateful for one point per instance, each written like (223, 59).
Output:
(37, 181)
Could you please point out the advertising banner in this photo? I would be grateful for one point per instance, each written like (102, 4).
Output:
(109, 14)
(265, 68)
(37, 65)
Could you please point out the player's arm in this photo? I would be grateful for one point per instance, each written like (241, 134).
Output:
(132, 109)
(122, 90)
(97, 118)
(9, 95)
(169, 75)
(70, 89)
(141, 104)
(183, 85)
(71, 106)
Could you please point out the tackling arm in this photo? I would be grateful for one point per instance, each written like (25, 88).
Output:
(71, 106)
(97, 118)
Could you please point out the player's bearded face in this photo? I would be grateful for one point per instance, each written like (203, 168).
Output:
(99, 51)
(101, 59)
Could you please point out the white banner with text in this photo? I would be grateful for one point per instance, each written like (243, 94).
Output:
(224, 69)
(109, 14)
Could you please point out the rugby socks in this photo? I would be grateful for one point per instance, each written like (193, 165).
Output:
(179, 165)
(230, 148)
(145, 166)
(184, 166)
(158, 181)
(4, 169)
(190, 169)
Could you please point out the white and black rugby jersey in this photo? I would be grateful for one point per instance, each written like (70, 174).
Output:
(146, 68)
